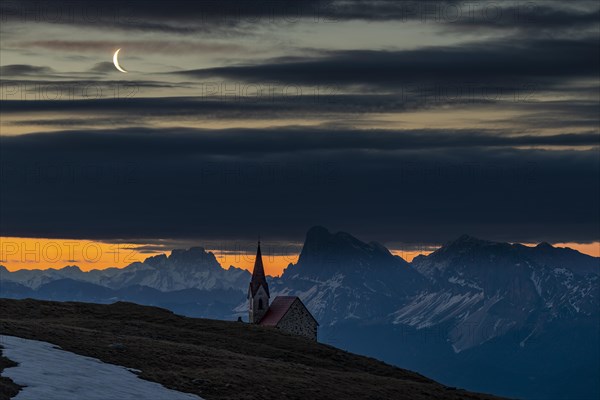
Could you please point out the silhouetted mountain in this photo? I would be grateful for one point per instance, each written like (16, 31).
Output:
(527, 314)
(342, 278)
(14, 290)
(216, 303)
(183, 269)
(485, 289)
(72, 290)
(471, 311)
(546, 255)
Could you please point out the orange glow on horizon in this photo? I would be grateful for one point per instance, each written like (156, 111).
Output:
(273, 264)
(591, 249)
(409, 255)
(38, 253)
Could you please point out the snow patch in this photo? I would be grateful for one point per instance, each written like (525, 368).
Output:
(429, 309)
(537, 282)
(49, 373)
(462, 282)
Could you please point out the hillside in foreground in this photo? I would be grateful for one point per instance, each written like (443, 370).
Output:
(215, 359)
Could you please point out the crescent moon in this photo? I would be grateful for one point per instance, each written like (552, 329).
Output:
(116, 61)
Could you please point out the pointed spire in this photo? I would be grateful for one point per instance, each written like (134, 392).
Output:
(258, 274)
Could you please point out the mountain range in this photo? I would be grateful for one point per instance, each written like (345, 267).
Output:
(504, 318)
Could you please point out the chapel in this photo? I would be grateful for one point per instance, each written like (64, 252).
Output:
(286, 313)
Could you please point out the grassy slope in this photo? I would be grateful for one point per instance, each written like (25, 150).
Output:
(215, 359)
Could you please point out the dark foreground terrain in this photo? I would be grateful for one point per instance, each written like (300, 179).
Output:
(214, 359)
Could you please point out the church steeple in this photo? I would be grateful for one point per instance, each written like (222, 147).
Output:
(258, 292)
(258, 274)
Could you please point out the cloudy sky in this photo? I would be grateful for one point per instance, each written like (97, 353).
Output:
(408, 123)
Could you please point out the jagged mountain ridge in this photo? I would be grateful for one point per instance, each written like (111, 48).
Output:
(484, 289)
(194, 268)
(341, 278)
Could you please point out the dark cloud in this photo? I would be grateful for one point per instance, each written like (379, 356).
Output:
(246, 142)
(103, 67)
(24, 70)
(222, 185)
(237, 17)
(557, 114)
(177, 16)
(140, 46)
(506, 63)
(423, 186)
(72, 122)
(545, 17)
(502, 73)
(138, 111)
(246, 104)
(39, 94)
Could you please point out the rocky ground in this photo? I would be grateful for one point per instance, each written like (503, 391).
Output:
(214, 359)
